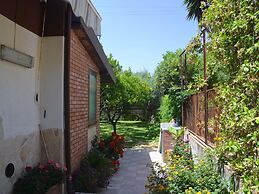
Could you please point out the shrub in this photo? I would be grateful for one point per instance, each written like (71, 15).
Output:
(153, 130)
(112, 147)
(99, 164)
(94, 172)
(39, 179)
(165, 110)
(180, 175)
(85, 179)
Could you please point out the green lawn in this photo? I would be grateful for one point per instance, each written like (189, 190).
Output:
(135, 132)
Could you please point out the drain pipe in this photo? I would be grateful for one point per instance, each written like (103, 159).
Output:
(67, 97)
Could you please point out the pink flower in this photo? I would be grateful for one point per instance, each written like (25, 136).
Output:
(65, 169)
(50, 162)
(41, 166)
(57, 165)
(28, 168)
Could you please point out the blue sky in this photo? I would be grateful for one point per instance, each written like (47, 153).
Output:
(139, 32)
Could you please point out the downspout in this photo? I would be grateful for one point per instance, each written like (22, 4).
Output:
(67, 97)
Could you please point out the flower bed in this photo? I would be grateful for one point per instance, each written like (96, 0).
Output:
(181, 176)
(40, 179)
(99, 164)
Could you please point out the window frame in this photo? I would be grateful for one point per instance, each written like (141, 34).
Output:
(93, 121)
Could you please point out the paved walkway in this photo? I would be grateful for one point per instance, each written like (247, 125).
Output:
(134, 169)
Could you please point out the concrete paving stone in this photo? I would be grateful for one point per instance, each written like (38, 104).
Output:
(132, 175)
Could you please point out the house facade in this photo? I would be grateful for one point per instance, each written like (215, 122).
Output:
(51, 67)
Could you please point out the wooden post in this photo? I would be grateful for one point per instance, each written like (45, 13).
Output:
(181, 78)
(205, 88)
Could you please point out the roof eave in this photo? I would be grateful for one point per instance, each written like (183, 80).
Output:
(89, 39)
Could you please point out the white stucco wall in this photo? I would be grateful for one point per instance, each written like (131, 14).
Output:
(18, 85)
(52, 83)
(21, 116)
(197, 146)
(52, 97)
(19, 112)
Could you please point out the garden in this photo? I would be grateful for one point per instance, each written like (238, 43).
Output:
(96, 167)
(230, 58)
(132, 109)
(181, 175)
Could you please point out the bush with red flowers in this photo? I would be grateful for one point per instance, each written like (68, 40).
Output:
(99, 164)
(113, 147)
(39, 179)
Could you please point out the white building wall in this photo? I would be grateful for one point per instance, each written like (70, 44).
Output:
(51, 96)
(19, 112)
(52, 82)
(21, 115)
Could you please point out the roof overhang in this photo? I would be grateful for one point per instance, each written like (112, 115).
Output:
(90, 41)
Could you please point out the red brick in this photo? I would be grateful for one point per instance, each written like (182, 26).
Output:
(80, 63)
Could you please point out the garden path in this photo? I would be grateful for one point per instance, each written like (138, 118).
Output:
(134, 169)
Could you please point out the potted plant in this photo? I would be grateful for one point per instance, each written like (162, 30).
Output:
(41, 179)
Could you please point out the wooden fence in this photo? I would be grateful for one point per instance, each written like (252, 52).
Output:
(194, 115)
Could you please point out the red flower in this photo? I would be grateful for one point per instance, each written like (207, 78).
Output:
(28, 168)
(116, 162)
(121, 138)
(112, 144)
(114, 134)
(121, 155)
(101, 145)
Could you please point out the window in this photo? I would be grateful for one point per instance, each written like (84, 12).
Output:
(92, 97)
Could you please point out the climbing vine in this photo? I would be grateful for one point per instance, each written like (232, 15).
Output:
(233, 33)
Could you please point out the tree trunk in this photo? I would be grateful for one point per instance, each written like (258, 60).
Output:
(114, 126)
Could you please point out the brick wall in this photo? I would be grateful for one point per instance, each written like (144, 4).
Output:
(80, 63)
(167, 142)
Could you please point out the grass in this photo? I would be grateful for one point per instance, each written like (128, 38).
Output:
(135, 133)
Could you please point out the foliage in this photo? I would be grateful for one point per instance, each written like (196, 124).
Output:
(177, 134)
(233, 34)
(128, 90)
(112, 147)
(167, 82)
(180, 175)
(95, 169)
(146, 76)
(194, 9)
(167, 73)
(39, 179)
(85, 179)
(153, 130)
(165, 110)
(98, 168)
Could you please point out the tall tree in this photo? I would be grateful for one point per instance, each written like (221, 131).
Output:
(167, 82)
(194, 9)
(117, 98)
